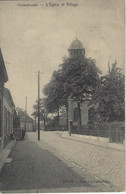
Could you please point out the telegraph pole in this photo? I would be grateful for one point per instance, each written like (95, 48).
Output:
(38, 105)
(25, 112)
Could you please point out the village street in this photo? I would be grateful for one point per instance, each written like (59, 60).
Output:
(62, 96)
(57, 164)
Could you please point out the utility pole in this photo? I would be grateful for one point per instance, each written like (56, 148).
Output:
(38, 105)
(25, 117)
(25, 110)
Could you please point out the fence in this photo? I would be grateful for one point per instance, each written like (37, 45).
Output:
(108, 136)
(112, 132)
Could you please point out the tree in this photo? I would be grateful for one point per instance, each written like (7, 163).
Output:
(81, 77)
(109, 95)
(76, 78)
(43, 111)
(55, 97)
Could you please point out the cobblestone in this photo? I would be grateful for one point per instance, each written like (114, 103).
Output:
(107, 164)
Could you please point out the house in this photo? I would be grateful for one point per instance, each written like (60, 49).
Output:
(6, 107)
(26, 122)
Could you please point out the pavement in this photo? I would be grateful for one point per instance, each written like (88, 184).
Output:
(81, 138)
(35, 168)
(102, 142)
(5, 152)
(105, 160)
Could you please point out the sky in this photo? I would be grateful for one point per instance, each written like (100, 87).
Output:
(36, 35)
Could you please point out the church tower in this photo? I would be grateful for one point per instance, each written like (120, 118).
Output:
(76, 49)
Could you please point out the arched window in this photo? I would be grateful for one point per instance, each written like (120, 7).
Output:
(76, 114)
(91, 114)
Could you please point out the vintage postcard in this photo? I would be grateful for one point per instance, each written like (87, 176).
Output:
(62, 107)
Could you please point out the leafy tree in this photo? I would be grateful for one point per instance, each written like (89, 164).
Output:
(55, 97)
(81, 77)
(76, 78)
(109, 96)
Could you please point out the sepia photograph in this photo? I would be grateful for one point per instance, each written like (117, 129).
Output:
(62, 96)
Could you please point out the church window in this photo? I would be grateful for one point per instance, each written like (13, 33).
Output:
(91, 114)
(76, 114)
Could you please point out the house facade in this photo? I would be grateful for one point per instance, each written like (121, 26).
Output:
(6, 107)
(26, 122)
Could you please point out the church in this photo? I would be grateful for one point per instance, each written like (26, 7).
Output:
(76, 49)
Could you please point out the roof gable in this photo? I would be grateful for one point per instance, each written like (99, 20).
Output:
(3, 72)
(8, 96)
(22, 115)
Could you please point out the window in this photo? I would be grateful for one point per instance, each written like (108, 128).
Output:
(76, 114)
(91, 114)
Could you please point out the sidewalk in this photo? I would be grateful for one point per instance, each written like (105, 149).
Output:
(5, 153)
(93, 140)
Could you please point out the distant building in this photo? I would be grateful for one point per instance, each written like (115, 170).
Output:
(6, 107)
(26, 122)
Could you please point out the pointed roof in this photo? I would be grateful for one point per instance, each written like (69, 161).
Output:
(22, 114)
(3, 71)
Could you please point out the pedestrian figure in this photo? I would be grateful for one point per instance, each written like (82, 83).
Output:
(23, 133)
(70, 126)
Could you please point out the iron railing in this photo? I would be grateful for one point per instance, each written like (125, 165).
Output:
(112, 136)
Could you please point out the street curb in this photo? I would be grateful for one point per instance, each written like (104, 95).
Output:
(5, 153)
(91, 142)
